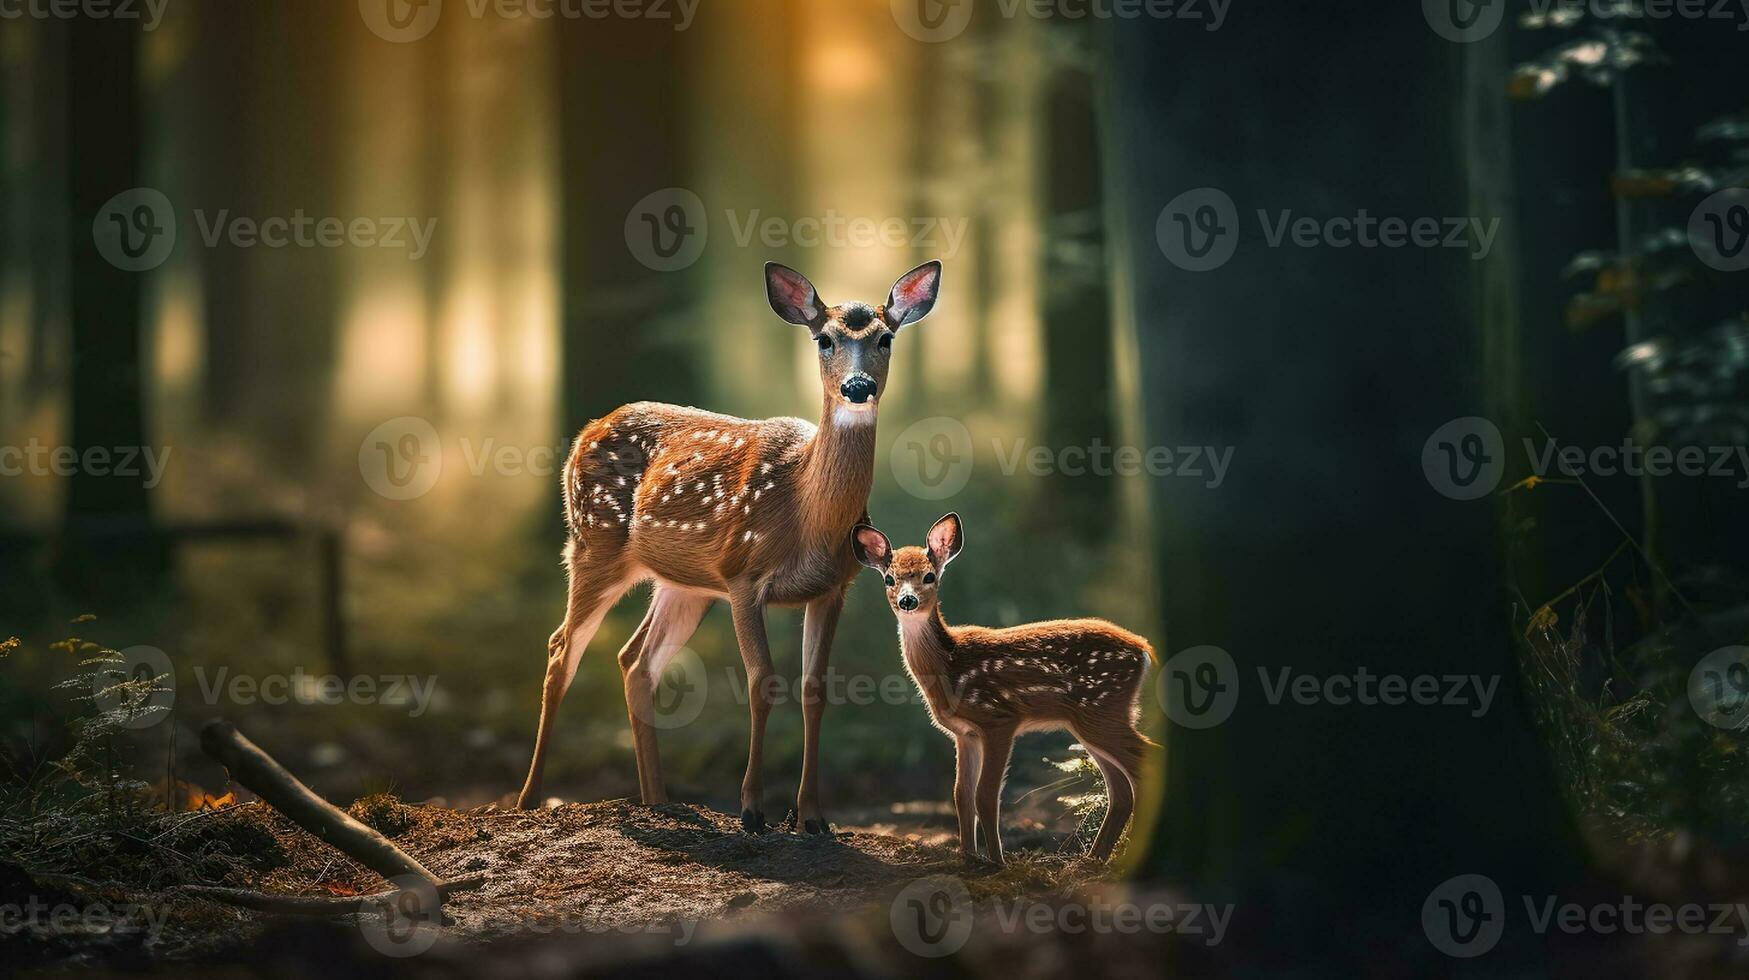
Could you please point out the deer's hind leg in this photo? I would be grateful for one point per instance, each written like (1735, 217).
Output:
(595, 585)
(1119, 758)
(673, 617)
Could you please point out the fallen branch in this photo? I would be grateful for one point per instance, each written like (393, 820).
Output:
(261, 775)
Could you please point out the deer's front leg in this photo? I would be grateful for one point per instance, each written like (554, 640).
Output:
(749, 615)
(819, 623)
(994, 769)
(968, 760)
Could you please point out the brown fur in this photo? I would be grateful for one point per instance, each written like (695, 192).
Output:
(985, 686)
(713, 507)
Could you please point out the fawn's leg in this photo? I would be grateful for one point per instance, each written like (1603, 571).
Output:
(749, 614)
(1120, 795)
(673, 617)
(968, 758)
(998, 744)
(593, 591)
(818, 624)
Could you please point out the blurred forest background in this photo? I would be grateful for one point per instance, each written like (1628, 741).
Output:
(262, 371)
(1055, 142)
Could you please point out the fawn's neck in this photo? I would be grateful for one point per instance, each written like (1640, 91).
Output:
(926, 643)
(837, 472)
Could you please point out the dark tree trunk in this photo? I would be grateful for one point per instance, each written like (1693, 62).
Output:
(623, 136)
(108, 549)
(229, 49)
(1077, 313)
(1326, 550)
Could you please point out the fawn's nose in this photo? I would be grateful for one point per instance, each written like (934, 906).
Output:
(858, 388)
(907, 602)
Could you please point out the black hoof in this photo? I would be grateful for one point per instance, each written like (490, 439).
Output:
(817, 827)
(753, 821)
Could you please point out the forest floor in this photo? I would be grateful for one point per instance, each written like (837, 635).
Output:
(656, 875)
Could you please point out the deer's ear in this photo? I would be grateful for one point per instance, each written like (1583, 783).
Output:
(793, 297)
(946, 539)
(913, 296)
(871, 546)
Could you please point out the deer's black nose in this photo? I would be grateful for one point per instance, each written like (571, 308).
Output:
(907, 602)
(858, 388)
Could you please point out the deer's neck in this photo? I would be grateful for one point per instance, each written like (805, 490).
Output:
(837, 472)
(927, 644)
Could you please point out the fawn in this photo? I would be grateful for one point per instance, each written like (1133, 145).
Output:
(985, 686)
(712, 507)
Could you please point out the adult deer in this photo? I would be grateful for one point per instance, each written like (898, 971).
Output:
(712, 507)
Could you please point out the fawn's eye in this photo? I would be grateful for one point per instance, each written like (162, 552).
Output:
(928, 578)
(886, 341)
(889, 580)
(825, 343)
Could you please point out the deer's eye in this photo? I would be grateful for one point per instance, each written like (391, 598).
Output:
(825, 343)
(886, 341)
(889, 580)
(928, 578)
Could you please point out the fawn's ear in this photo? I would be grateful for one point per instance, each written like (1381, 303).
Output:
(793, 296)
(871, 546)
(946, 539)
(913, 296)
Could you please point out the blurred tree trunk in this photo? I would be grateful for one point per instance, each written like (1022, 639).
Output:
(623, 123)
(1077, 313)
(1326, 369)
(229, 58)
(436, 107)
(107, 551)
(47, 211)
